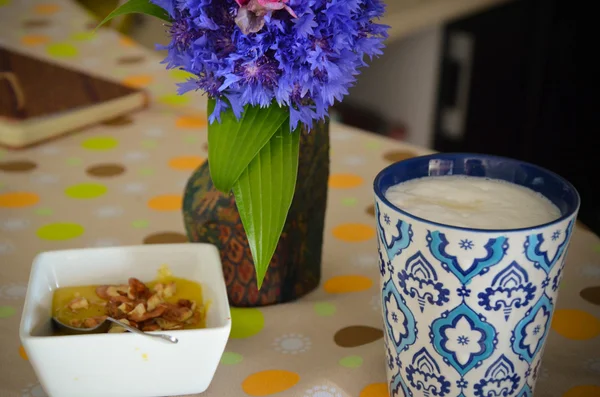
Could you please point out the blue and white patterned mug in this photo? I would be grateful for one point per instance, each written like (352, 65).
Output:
(467, 311)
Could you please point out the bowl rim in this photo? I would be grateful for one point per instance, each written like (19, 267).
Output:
(38, 262)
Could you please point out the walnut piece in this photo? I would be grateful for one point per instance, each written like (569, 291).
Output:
(78, 304)
(154, 301)
(168, 325)
(137, 289)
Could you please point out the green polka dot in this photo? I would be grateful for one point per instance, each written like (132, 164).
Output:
(74, 161)
(246, 322)
(60, 231)
(180, 75)
(146, 171)
(174, 99)
(149, 144)
(140, 224)
(325, 309)
(7, 311)
(597, 248)
(351, 361)
(230, 358)
(349, 201)
(43, 211)
(190, 139)
(86, 191)
(83, 36)
(62, 50)
(100, 143)
(4, 2)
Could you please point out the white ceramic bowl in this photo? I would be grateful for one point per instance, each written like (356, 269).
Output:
(125, 364)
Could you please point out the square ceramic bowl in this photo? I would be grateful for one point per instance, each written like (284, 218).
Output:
(124, 364)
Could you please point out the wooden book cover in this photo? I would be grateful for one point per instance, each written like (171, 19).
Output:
(40, 100)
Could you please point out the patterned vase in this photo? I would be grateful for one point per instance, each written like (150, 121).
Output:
(467, 311)
(295, 269)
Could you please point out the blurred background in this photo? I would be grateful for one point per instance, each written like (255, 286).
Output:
(493, 76)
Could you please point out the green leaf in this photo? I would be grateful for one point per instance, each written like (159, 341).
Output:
(264, 194)
(233, 143)
(139, 7)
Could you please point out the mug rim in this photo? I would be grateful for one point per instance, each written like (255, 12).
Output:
(455, 155)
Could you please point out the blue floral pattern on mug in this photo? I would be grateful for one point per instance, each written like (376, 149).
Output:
(466, 313)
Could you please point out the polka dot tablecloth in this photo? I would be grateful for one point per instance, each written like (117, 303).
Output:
(121, 183)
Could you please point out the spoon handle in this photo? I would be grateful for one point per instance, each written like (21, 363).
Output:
(164, 337)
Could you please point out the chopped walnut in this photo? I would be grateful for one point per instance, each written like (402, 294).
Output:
(93, 321)
(170, 290)
(137, 289)
(116, 329)
(168, 325)
(78, 304)
(176, 313)
(154, 301)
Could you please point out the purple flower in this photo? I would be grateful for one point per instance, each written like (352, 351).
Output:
(304, 59)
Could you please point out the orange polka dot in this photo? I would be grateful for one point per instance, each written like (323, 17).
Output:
(269, 382)
(31, 40)
(191, 122)
(375, 390)
(186, 162)
(18, 200)
(583, 391)
(575, 324)
(353, 232)
(46, 9)
(167, 202)
(345, 181)
(23, 353)
(126, 41)
(345, 284)
(138, 80)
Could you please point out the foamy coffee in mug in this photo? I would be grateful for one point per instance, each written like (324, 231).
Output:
(471, 254)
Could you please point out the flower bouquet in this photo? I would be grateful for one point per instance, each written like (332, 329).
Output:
(271, 69)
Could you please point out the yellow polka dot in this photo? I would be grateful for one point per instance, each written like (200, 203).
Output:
(86, 191)
(575, 324)
(174, 99)
(246, 322)
(185, 163)
(60, 231)
(344, 181)
(353, 232)
(181, 75)
(126, 41)
(269, 382)
(23, 353)
(46, 9)
(83, 36)
(166, 202)
(583, 391)
(191, 122)
(31, 40)
(62, 50)
(375, 390)
(18, 200)
(100, 143)
(138, 80)
(345, 284)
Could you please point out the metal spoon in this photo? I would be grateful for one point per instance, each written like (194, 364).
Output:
(103, 328)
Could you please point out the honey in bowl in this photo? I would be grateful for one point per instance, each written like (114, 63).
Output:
(166, 303)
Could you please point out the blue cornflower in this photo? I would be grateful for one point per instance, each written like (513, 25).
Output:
(305, 60)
